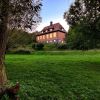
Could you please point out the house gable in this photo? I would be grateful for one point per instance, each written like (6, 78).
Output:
(52, 33)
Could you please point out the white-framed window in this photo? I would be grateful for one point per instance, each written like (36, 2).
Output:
(50, 35)
(38, 38)
(51, 29)
(43, 36)
(47, 36)
(54, 34)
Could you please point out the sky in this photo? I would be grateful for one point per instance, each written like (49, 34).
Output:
(53, 10)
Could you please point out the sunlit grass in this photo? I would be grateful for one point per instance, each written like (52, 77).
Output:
(72, 75)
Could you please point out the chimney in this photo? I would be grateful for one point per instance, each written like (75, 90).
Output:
(51, 23)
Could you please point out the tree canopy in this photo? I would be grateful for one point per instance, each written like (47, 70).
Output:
(21, 13)
(83, 10)
(84, 20)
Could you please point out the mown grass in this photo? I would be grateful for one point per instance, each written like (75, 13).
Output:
(71, 75)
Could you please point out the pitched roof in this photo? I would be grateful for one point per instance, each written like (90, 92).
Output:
(52, 28)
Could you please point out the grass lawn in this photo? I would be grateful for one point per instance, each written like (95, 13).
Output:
(56, 75)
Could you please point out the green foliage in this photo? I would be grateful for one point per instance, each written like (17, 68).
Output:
(55, 46)
(70, 75)
(18, 38)
(76, 39)
(5, 97)
(84, 20)
(38, 46)
(22, 13)
(22, 51)
(83, 11)
(62, 46)
(7, 85)
(19, 51)
(81, 38)
(19, 14)
(50, 46)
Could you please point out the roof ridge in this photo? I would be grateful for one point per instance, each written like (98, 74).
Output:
(53, 27)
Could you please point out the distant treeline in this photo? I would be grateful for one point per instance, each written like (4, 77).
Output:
(19, 39)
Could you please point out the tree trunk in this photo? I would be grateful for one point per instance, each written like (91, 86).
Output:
(3, 38)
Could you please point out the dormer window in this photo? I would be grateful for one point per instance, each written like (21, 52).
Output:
(51, 29)
(62, 29)
(46, 31)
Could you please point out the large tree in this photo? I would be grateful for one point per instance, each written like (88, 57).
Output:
(84, 15)
(20, 14)
(83, 10)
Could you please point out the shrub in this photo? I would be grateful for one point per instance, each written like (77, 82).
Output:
(18, 38)
(22, 52)
(50, 46)
(38, 46)
(33, 45)
(62, 46)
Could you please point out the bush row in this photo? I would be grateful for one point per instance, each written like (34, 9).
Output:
(19, 51)
(37, 46)
(51, 46)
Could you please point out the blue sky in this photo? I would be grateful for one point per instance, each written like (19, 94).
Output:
(53, 10)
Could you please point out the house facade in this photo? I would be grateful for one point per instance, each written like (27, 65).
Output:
(54, 33)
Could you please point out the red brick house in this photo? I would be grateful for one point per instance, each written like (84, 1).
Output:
(52, 33)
